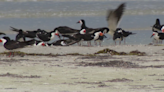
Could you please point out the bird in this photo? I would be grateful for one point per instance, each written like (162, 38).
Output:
(77, 36)
(62, 42)
(2, 33)
(104, 30)
(157, 26)
(125, 33)
(113, 18)
(39, 43)
(86, 37)
(46, 36)
(118, 35)
(100, 39)
(23, 34)
(14, 45)
(65, 30)
(158, 36)
(92, 30)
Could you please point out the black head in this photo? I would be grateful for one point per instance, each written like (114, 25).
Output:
(106, 30)
(38, 29)
(157, 22)
(7, 38)
(157, 26)
(119, 29)
(82, 21)
(20, 31)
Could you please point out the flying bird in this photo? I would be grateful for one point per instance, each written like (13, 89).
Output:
(113, 17)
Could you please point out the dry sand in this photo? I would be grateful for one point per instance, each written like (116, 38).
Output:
(100, 73)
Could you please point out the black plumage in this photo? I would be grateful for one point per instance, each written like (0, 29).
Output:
(65, 30)
(92, 30)
(12, 44)
(46, 36)
(23, 34)
(157, 26)
(118, 35)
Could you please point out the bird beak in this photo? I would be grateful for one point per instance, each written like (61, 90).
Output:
(152, 35)
(0, 40)
(78, 22)
(101, 34)
(43, 44)
(58, 35)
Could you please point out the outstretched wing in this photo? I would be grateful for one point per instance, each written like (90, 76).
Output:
(113, 17)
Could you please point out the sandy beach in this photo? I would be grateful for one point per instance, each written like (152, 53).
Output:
(83, 73)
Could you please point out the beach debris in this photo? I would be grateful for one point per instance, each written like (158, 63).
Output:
(120, 80)
(18, 76)
(114, 63)
(113, 52)
(16, 53)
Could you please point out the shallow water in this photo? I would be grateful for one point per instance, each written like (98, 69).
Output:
(34, 14)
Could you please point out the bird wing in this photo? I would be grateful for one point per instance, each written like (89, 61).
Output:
(114, 16)
(14, 29)
(2, 33)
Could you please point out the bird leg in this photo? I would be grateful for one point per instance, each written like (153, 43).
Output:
(95, 43)
(120, 43)
(89, 43)
(124, 41)
(100, 43)
(10, 54)
(115, 42)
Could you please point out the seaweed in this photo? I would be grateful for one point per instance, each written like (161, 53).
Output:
(113, 52)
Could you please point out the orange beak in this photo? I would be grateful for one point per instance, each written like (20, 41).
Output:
(101, 34)
(0, 40)
(152, 35)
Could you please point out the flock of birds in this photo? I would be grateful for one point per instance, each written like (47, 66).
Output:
(69, 36)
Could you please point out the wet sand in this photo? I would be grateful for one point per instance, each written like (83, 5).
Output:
(83, 73)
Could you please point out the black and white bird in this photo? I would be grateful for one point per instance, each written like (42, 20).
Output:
(157, 26)
(118, 35)
(125, 33)
(65, 30)
(86, 37)
(39, 43)
(113, 18)
(158, 36)
(46, 36)
(14, 45)
(101, 38)
(92, 30)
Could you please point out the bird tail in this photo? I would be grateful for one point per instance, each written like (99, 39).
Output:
(133, 33)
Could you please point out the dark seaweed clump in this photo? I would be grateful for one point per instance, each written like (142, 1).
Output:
(113, 52)
(18, 76)
(115, 63)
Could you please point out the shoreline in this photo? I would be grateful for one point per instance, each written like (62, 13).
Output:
(148, 49)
